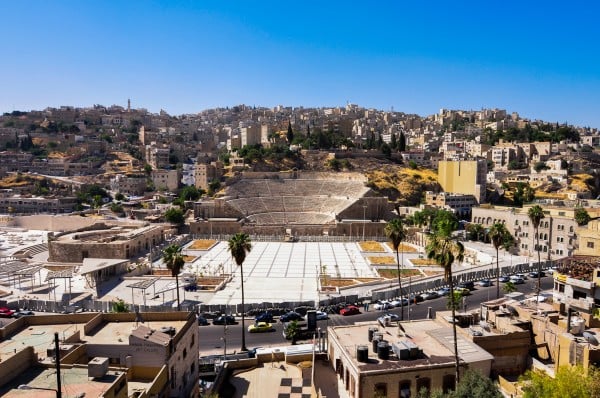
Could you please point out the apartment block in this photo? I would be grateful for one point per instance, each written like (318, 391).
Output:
(464, 177)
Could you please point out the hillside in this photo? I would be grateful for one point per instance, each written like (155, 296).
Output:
(403, 185)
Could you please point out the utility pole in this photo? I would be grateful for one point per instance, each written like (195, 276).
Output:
(57, 356)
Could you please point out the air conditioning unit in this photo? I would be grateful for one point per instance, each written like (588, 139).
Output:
(98, 367)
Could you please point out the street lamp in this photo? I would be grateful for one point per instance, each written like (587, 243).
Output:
(364, 220)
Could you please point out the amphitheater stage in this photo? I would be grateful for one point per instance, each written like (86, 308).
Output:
(281, 271)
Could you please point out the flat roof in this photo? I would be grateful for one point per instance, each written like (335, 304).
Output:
(96, 264)
(119, 332)
(74, 381)
(433, 338)
(40, 337)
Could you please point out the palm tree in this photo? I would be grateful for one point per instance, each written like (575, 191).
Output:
(396, 233)
(498, 235)
(174, 261)
(444, 250)
(536, 214)
(239, 246)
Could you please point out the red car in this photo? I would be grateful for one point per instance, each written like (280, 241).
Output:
(350, 310)
(6, 313)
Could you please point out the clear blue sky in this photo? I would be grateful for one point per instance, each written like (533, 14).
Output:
(541, 59)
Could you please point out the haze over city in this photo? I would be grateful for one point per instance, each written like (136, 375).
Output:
(184, 57)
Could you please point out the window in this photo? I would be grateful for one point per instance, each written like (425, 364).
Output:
(423, 383)
(405, 389)
(590, 245)
(448, 383)
(381, 389)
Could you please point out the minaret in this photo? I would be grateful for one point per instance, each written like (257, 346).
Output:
(128, 105)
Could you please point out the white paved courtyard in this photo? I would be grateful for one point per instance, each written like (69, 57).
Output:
(280, 271)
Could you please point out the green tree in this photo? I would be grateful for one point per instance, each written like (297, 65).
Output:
(290, 133)
(569, 382)
(402, 142)
(474, 384)
(581, 216)
(509, 287)
(119, 306)
(539, 166)
(536, 214)
(498, 235)
(174, 261)
(292, 330)
(444, 250)
(174, 215)
(119, 196)
(394, 230)
(239, 246)
(190, 192)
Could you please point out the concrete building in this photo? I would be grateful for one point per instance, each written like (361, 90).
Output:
(589, 239)
(107, 241)
(558, 236)
(110, 355)
(34, 205)
(418, 355)
(166, 179)
(464, 176)
(129, 184)
(157, 156)
(204, 174)
(460, 204)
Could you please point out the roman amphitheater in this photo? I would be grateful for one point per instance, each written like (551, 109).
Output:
(297, 203)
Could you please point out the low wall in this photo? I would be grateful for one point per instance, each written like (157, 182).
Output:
(16, 364)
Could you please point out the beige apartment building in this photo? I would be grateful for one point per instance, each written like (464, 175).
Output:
(466, 177)
(557, 231)
(460, 204)
(166, 179)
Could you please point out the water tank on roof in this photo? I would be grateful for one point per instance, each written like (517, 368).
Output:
(590, 338)
(372, 330)
(376, 338)
(383, 350)
(362, 353)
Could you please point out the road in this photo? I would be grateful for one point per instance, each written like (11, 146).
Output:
(211, 336)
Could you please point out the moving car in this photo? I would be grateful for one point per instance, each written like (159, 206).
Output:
(320, 316)
(260, 327)
(224, 319)
(504, 279)
(534, 274)
(485, 283)
(264, 317)
(517, 280)
(467, 285)
(462, 290)
(430, 295)
(398, 303)
(350, 310)
(443, 291)
(290, 316)
(202, 321)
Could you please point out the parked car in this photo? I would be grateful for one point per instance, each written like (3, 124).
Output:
(382, 305)
(290, 316)
(6, 312)
(430, 295)
(522, 276)
(485, 283)
(350, 310)
(443, 291)
(260, 327)
(415, 298)
(320, 316)
(517, 280)
(264, 317)
(504, 279)
(202, 321)
(398, 303)
(21, 313)
(467, 285)
(462, 290)
(224, 319)
(534, 274)
(393, 317)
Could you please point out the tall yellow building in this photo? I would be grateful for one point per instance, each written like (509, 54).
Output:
(463, 176)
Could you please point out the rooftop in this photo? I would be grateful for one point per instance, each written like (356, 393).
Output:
(432, 337)
(75, 381)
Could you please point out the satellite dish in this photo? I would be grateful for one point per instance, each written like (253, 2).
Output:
(590, 338)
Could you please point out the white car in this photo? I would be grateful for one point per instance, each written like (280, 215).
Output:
(430, 295)
(382, 305)
(320, 316)
(397, 303)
